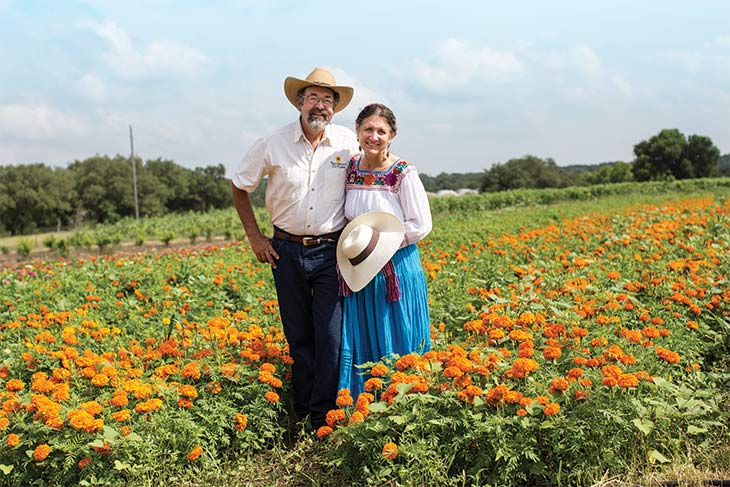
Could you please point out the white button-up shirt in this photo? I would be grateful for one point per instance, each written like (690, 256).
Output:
(305, 193)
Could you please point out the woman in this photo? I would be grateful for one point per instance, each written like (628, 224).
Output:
(379, 321)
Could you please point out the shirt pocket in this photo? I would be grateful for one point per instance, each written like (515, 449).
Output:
(335, 171)
(293, 183)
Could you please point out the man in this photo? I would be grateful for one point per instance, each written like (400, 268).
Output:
(305, 163)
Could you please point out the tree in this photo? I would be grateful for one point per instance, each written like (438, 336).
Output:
(35, 196)
(703, 156)
(526, 172)
(723, 168)
(104, 186)
(670, 155)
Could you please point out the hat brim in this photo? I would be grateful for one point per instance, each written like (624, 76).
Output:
(391, 236)
(293, 85)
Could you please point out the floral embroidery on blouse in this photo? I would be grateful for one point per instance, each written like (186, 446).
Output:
(384, 181)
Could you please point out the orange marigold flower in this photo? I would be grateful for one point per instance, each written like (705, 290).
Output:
(344, 400)
(453, 372)
(551, 353)
(41, 452)
(575, 373)
(373, 384)
(272, 397)
(559, 384)
(195, 453)
(521, 412)
(379, 370)
(85, 462)
(667, 355)
(323, 432)
(14, 385)
(357, 417)
(390, 451)
(628, 380)
(13, 440)
(334, 416)
(551, 409)
(100, 380)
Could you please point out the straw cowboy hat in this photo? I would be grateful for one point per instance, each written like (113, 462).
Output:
(318, 77)
(366, 244)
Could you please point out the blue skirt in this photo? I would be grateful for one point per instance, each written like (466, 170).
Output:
(373, 328)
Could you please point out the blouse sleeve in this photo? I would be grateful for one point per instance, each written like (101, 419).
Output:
(416, 210)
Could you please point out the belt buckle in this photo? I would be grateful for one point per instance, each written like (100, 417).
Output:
(307, 241)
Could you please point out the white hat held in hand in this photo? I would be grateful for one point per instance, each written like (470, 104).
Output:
(366, 244)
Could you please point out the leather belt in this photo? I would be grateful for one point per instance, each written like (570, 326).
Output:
(307, 240)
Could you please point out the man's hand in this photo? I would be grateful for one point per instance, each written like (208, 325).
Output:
(261, 246)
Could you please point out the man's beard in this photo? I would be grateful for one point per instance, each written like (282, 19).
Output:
(317, 123)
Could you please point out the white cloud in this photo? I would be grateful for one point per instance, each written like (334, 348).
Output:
(457, 63)
(39, 122)
(163, 57)
(93, 87)
(580, 58)
(621, 84)
(721, 42)
(586, 61)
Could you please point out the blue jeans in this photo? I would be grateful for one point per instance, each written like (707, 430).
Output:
(311, 313)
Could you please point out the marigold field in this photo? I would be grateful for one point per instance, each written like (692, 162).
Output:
(571, 344)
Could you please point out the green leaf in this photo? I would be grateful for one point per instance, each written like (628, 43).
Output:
(693, 430)
(378, 407)
(121, 465)
(644, 425)
(6, 468)
(110, 434)
(655, 456)
(398, 419)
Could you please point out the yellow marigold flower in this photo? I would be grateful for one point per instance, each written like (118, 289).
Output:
(272, 397)
(241, 421)
(323, 432)
(195, 453)
(390, 451)
(41, 452)
(188, 391)
(13, 440)
(120, 416)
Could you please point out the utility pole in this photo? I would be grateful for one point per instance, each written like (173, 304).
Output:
(134, 175)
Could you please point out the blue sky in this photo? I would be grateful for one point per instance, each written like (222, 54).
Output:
(472, 83)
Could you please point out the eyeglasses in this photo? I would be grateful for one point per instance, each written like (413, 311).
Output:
(327, 101)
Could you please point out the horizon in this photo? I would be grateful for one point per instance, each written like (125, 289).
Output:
(471, 85)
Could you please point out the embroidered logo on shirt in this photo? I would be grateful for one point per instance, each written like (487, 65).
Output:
(338, 163)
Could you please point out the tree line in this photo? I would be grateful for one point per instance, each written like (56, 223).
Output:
(99, 189)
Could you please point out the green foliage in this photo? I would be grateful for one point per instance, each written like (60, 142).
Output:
(25, 247)
(452, 181)
(670, 155)
(525, 172)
